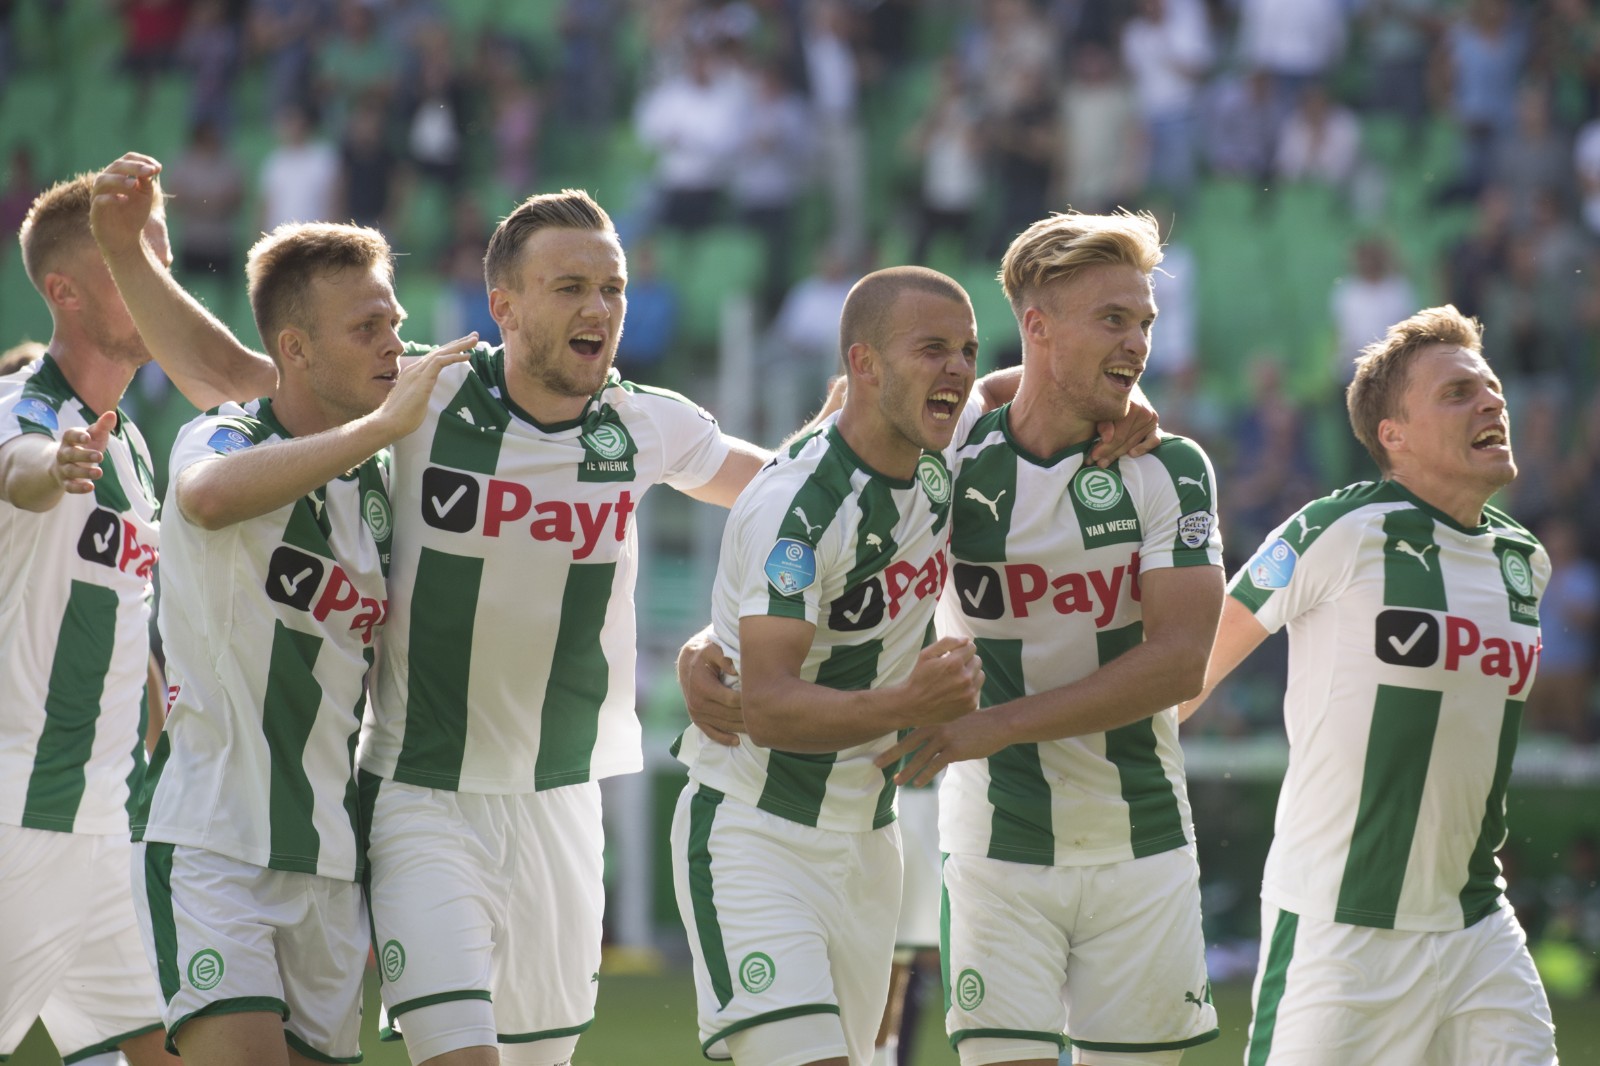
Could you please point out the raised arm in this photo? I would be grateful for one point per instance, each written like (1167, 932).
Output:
(215, 493)
(1181, 606)
(784, 712)
(203, 358)
(1238, 635)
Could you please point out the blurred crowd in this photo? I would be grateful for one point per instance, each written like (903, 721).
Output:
(1400, 153)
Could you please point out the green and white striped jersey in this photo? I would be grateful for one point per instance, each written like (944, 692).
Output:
(821, 536)
(75, 592)
(1046, 558)
(510, 664)
(270, 626)
(1413, 643)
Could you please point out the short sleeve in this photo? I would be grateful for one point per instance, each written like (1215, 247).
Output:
(777, 573)
(1298, 567)
(1178, 514)
(24, 412)
(226, 430)
(692, 442)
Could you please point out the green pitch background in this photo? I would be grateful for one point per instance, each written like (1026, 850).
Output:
(651, 1019)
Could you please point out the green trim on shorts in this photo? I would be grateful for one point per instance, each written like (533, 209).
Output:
(310, 1052)
(1274, 979)
(1171, 1045)
(439, 997)
(105, 1047)
(702, 892)
(163, 927)
(547, 1034)
(237, 1005)
(762, 1019)
(1057, 1039)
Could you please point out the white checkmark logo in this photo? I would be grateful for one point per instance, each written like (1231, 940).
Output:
(291, 587)
(1410, 642)
(442, 509)
(855, 616)
(975, 596)
(102, 541)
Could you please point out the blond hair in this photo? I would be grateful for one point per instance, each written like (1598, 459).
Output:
(283, 264)
(1061, 245)
(57, 226)
(1383, 370)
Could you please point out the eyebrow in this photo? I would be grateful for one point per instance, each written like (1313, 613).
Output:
(1126, 310)
(568, 278)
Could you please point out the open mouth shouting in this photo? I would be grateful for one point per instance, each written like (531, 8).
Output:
(1124, 377)
(944, 404)
(1491, 438)
(587, 344)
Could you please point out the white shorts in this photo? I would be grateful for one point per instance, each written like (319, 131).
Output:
(492, 904)
(1110, 955)
(70, 953)
(919, 886)
(784, 921)
(1327, 993)
(228, 937)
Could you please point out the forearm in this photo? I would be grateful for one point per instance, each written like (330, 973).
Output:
(27, 479)
(1140, 682)
(789, 714)
(203, 358)
(217, 493)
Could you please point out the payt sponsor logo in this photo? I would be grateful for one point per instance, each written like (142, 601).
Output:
(321, 588)
(457, 503)
(991, 593)
(111, 540)
(864, 605)
(1423, 640)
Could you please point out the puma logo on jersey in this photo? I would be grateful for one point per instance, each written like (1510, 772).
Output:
(316, 504)
(799, 512)
(1190, 997)
(1419, 556)
(988, 592)
(1200, 484)
(1417, 639)
(993, 505)
(1305, 530)
(322, 589)
(465, 414)
(874, 541)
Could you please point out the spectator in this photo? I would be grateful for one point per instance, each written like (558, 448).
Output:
(774, 166)
(1470, 264)
(1013, 53)
(1100, 166)
(1240, 126)
(368, 165)
(355, 62)
(1399, 35)
(299, 179)
(588, 84)
(949, 143)
(286, 33)
(802, 348)
(1296, 43)
(1484, 50)
(1533, 159)
(1174, 346)
(832, 75)
(462, 306)
(22, 185)
(1272, 472)
(210, 53)
(694, 122)
(1023, 149)
(1561, 699)
(516, 118)
(1321, 142)
(653, 309)
(1586, 161)
(207, 185)
(1365, 304)
(1524, 323)
(151, 30)
(1167, 47)
(434, 107)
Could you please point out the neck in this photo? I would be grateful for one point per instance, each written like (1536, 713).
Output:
(876, 442)
(98, 379)
(299, 410)
(1462, 501)
(545, 407)
(1039, 423)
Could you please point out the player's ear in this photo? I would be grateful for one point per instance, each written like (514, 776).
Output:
(61, 291)
(861, 361)
(1035, 324)
(1392, 434)
(292, 347)
(500, 309)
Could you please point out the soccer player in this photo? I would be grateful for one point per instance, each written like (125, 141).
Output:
(1413, 616)
(276, 546)
(506, 687)
(1092, 594)
(785, 853)
(78, 519)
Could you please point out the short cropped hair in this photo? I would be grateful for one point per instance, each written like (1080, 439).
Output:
(1383, 370)
(1061, 245)
(56, 227)
(865, 318)
(567, 209)
(283, 264)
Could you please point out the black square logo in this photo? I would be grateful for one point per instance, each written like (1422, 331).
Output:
(293, 577)
(859, 608)
(1407, 638)
(102, 537)
(449, 500)
(979, 590)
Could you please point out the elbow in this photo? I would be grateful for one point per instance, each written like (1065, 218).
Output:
(1189, 676)
(205, 510)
